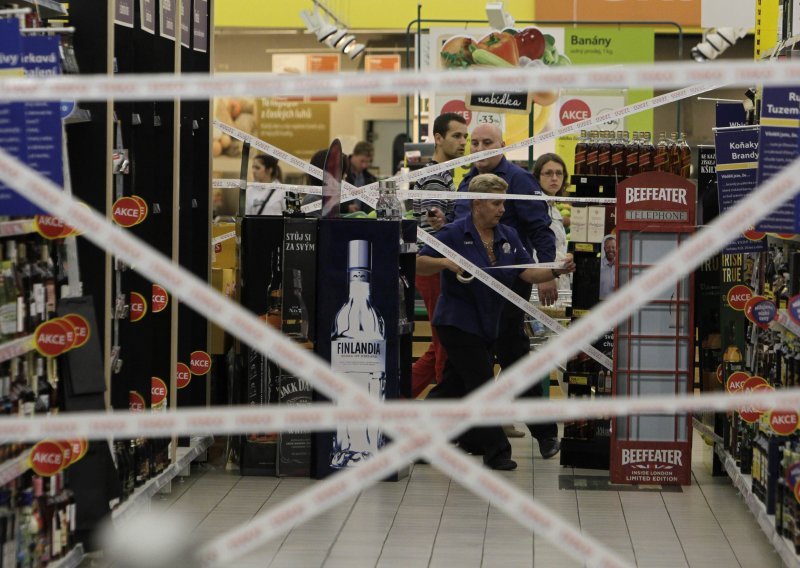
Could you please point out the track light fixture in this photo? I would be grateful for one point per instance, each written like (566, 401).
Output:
(716, 42)
(334, 35)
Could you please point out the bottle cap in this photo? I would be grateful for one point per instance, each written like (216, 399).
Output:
(358, 254)
(387, 184)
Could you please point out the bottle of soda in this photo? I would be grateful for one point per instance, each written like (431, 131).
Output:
(674, 154)
(632, 155)
(580, 154)
(604, 154)
(661, 160)
(686, 157)
(618, 154)
(591, 154)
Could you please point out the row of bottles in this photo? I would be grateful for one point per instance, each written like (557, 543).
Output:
(610, 153)
(27, 286)
(139, 460)
(37, 521)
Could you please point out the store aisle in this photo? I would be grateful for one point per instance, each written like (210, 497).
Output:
(428, 520)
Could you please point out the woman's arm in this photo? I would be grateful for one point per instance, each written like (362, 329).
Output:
(428, 265)
(537, 275)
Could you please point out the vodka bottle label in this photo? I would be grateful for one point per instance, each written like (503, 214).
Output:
(358, 356)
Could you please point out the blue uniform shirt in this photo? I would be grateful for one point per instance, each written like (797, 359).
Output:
(529, 218)
(474, 307)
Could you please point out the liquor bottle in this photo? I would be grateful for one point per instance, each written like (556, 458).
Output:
(779, 485)
(604, 154)
(591, 153)
(618, 154)
(661, 160)
(358, 349)
(686, 157)
(296, 323)
(673, 150)
(274, 291)
(388, 207)
(631, 155)
(647, 153)
(580, 154)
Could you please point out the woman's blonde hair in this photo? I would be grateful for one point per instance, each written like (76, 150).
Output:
(487, 183)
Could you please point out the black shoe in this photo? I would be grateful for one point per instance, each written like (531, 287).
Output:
(502, 464)
(549, 447)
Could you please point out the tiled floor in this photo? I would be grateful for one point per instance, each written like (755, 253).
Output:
(429, 520)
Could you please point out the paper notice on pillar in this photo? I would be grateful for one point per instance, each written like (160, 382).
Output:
(167, 19)
(43, 118)
(299, 128)
(777, 147)
(12, 117)
(737, 166)
(186, 19)
(200, 25)
(147, 15)
(123, 13)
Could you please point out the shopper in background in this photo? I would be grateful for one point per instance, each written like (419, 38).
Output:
(450, 139)
(261, 201)
(357, 173)
(551, 172)
(532, 222)
(608, 259)
(468, 313)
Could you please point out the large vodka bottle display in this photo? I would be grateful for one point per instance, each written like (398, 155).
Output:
(358, 348)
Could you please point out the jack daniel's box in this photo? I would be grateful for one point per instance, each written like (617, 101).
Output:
(261, 252)
(297, 322)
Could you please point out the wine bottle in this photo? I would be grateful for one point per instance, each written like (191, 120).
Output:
(358, 349)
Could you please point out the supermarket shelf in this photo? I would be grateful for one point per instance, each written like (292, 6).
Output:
(14, 228)
(781, 46)
(744, 483)
(16, 347)
(46, 8)
(73, 558)
(12, 469)
(77, 116)
(142, 496)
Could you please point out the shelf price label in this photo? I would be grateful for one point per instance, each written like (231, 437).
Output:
(47, 458)
(160, 299)
(184, 375)
(52, 338)
(200, 363)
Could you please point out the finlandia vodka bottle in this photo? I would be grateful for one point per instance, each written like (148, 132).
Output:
(358, 348)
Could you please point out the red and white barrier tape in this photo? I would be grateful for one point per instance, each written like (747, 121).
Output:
(325, 416)
(190, 86)
(236, 184)
(232, 317)
(454, 196)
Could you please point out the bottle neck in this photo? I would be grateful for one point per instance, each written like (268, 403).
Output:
(359, 278)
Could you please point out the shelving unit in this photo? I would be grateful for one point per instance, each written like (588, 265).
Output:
(16, 348)
(46, 8)
(73, 558)
(141, 497)
(13, 468)
(782, 318)
(744, 483)
(16, 228)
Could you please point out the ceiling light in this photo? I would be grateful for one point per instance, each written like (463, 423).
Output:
(355, 50)
(334, 39)
(347, 43)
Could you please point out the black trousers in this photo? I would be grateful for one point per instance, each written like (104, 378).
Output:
(469, 366)
(512, 345)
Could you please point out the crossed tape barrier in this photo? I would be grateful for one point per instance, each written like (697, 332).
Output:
(237, 184)
(324, 416)
(192, 86)
(775, 191)
(232, 317)
(613, 310)
(758, 204)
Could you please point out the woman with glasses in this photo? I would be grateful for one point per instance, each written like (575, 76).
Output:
(551, 173)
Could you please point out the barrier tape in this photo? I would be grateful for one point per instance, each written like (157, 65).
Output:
(236, 184)
(507, 293)
(550, 265)
(758, 204)
(233, 318)
(325, 416)
(192, 86)
(461, 195)
(223, 238)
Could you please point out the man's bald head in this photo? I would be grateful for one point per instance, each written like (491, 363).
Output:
(487, 137)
